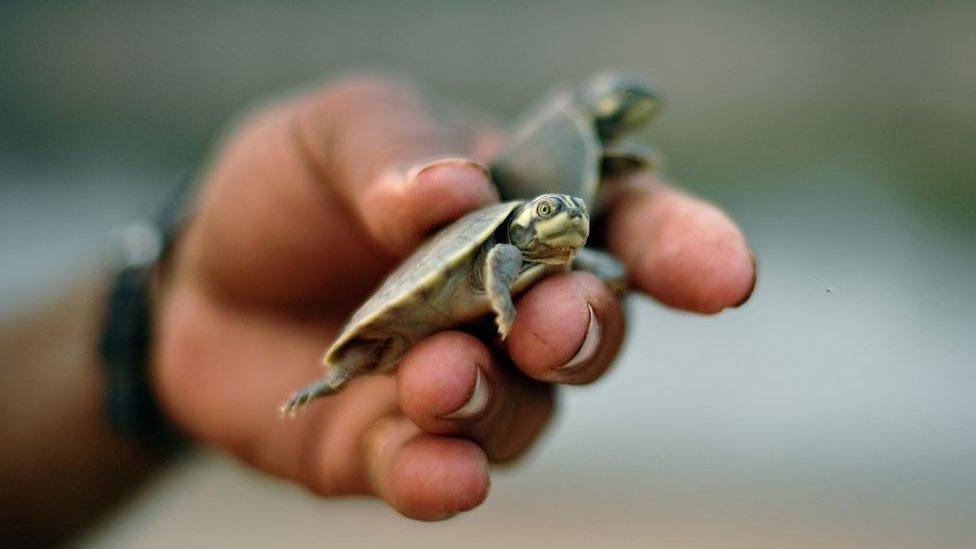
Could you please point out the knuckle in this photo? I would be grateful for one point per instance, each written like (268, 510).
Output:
(374, 87)
(510, 435)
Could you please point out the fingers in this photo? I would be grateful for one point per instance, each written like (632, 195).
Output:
(350, 443)
(451, 384)
(402, 170)
(567, 329)
(423, 476)
(683, 251)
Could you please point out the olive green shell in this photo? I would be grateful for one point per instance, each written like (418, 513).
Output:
(554, 149)
(420, 273)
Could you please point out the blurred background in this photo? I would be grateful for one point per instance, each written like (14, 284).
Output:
(835, 409)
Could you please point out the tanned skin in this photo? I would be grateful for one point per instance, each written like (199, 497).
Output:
(305, 206)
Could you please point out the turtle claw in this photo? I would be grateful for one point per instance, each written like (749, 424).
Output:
(302, 397)
(289, 409)
(504, 323)
(297, 402)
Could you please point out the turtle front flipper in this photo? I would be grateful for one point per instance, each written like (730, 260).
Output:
(606, 267)
(501, 268)
(623, 157)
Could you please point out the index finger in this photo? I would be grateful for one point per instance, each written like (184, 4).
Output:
(683, 251)
(401, 168)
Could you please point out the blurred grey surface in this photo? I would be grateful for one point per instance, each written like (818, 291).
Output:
(835, 409)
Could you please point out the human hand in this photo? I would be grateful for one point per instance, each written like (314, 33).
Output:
(305, 207)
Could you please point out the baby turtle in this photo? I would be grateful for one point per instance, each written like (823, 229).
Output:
(573, 137)
(468, 269)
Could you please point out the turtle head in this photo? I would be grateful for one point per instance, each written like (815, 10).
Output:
(620, 103)
(550, 228)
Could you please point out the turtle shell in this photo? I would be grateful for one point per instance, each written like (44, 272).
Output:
(555, 149)
(423, 271)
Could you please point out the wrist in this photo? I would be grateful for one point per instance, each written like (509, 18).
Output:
(63, 465)
(132, 319)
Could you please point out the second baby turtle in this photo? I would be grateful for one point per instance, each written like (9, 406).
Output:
(574, 138)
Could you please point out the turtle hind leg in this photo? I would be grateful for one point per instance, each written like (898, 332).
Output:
(352, 363)
(326, 385)
(393, 351)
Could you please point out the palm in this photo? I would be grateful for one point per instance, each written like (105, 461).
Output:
(273, 234)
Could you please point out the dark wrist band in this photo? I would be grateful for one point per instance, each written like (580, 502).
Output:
(126, 337)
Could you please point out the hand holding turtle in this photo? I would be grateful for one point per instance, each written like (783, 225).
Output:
(306, 207)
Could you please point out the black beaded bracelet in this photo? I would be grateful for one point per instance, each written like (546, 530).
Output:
(131, 405)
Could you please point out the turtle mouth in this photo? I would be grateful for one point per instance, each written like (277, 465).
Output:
(555, 255)
(640, 112)
(558, 239)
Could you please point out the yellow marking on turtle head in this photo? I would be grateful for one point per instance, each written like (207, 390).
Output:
(550, 228)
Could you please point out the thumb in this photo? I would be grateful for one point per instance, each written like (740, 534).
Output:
(400, 169)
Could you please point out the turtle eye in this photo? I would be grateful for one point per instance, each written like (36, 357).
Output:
(545, 209)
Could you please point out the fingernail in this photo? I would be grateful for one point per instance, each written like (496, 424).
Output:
(755, 275)
(589, 346)
(414, 173)
(477, 401)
